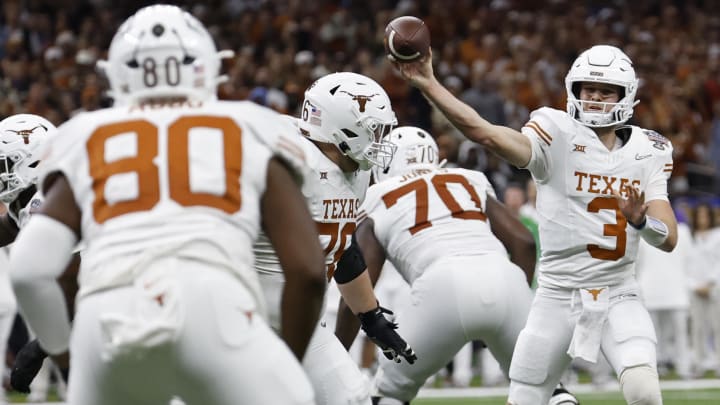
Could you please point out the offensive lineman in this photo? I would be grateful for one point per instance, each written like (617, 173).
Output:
(344, 118)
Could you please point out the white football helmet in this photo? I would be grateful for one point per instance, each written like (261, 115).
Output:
(353, 112)
(602, 64)
(22, 137)
(163, 52)
(415, 150)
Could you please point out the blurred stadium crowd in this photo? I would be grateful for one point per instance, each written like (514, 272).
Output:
(503, 57)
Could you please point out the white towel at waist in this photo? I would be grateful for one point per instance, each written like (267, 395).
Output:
(585, 343)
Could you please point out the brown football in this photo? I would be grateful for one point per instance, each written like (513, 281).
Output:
(407, 39)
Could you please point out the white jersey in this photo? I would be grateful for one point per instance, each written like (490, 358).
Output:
(428, 216)
(333, 198)
(584, 237)
(182, 180)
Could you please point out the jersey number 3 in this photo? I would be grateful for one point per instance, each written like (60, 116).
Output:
(143, 165)
(617, 230)
(439, 183)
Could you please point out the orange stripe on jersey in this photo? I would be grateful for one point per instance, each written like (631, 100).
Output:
(541, 132)
(360, 217)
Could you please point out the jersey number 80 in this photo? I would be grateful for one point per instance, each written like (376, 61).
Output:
(178, 165)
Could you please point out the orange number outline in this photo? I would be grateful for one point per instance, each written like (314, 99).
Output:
(420, 188)
(339, 239)
(617, 230)
(148, 173)
(439, 182)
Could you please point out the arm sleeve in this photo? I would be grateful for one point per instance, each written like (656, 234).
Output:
(40, 298)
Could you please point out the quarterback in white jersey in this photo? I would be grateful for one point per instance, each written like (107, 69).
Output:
(168, 190)
(344, 118)
(602, 185)
(433, 225)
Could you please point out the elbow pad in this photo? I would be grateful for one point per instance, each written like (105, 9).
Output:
(350, 265)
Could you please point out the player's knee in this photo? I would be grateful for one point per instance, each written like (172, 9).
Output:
(395, 386)
(640, 385)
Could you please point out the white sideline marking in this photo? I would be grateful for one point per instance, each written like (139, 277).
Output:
(484, 392)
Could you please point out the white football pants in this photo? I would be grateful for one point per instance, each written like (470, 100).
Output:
(209, 348)
(454, 302)
(334, 375)
(628, 340)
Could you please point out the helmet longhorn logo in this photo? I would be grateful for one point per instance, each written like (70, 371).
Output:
(25, 133)
(361, 99)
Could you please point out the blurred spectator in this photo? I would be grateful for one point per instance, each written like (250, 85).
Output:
(663, 281)
(484, 98)
(491, 53)
(704, 277)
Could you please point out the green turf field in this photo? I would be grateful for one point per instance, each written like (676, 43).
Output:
(670, 397)
(685, 397)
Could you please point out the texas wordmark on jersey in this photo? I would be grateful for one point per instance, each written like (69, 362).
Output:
(333, 198)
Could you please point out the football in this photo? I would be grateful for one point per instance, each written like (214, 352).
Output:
(407, 39)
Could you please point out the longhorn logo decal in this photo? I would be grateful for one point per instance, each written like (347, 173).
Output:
(362, 100)
(25, 133)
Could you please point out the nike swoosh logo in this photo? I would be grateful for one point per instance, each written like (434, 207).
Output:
(641, 157)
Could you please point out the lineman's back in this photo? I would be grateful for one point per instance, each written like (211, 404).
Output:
(426, 216)
(177, 178)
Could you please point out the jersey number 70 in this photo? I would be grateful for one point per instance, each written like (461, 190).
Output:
(439, 183)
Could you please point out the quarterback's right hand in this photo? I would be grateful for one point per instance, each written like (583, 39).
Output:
(419, 73)
(27, 364)
(382, 333)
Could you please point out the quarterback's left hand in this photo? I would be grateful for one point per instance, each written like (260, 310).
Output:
(382, 333)
(633, 207)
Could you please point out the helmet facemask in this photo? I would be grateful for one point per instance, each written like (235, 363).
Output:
(377, 151)
(415, 151)
(608, 65)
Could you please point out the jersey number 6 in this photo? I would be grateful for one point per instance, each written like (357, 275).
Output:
(147, 173)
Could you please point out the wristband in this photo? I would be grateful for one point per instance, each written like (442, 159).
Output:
(653, 230)
(639, 226)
